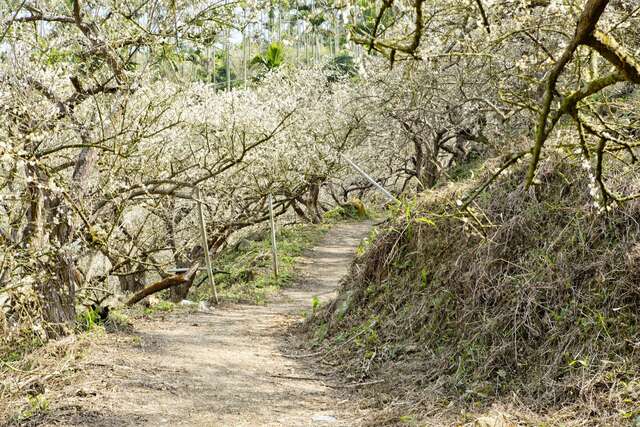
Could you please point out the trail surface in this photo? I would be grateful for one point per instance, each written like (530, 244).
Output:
(220, 368)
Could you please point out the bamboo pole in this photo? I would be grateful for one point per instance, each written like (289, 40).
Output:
(245, 29)
(228, 48)
(205, 245)
(274, 248)
(371, 180)
(215, 87)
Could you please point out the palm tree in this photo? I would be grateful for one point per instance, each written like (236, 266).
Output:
(270, 59)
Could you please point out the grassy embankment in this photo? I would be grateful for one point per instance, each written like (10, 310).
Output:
(529, 301)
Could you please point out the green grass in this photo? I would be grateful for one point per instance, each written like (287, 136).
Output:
(38, 406)
(248, 276)
(161, 306)
(354, 209)
(87, 320)
(14, 351)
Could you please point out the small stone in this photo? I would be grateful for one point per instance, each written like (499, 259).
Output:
(84, 393)
(494, 420)
(243, 245)
(323, 419)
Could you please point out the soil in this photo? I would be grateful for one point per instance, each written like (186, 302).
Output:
(228, 366)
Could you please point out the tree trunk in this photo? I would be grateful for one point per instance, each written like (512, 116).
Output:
(58, 296)
(313, 210)
(164, 284)
(180, 292)
(132, 281)
(299, 211)
(57, 287)
(181, 259)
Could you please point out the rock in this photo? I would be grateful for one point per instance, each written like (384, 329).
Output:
(242, 245)
(203, 306)
(245, 276)
(323, 419)
(83, 393)
(493, 420)
(186, 302)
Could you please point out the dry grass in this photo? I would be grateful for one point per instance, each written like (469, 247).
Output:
(531, 300)
(27, 385)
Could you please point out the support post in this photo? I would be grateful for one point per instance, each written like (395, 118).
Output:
(228, 60)
(205, 245)
(371, 180)
(274, 248)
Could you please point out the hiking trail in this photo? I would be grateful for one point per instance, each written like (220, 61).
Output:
(224, 367)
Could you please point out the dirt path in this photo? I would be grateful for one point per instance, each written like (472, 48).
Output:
(221, 368)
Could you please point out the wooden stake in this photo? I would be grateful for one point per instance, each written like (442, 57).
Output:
(205, 245)
(274, 248)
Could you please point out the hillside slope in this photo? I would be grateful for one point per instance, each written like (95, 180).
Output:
(529, 300)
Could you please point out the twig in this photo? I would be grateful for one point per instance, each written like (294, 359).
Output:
(353, 385)
(301, 356)
(318, 353)
(288, 377)
(13, 368)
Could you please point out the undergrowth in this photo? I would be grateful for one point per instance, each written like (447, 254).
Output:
(354, 209)
(245, 269)
(529, 298)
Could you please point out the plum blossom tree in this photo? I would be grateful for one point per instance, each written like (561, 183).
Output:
(102, 150)
(503, 66)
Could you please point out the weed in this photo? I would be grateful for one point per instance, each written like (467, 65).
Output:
(118, 322)
(161, 306)
(87, 320)
(407, 419)
(248, 276)
(354, 209)
(38, 406)
(315, 304)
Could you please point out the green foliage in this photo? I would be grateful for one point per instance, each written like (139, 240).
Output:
(316, 20)
(87, 320)
(320, 333)
(369, 12)
(118, 322)
(161, 307)
(336, 213)
(407, 420)
(14, 351)
(221, 76)
(354, 209)
(462, 171)
(315, 303)
(270, 59)
(340, 67)
(38, 406)
(245, 269)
